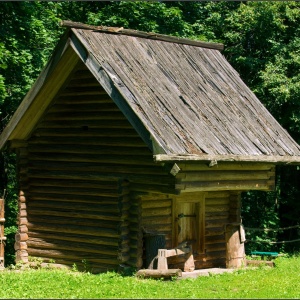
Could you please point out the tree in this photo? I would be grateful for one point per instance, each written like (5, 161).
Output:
(261, 41)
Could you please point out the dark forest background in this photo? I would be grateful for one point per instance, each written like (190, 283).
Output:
(262, 42)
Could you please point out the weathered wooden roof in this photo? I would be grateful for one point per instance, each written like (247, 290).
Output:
(185, 100)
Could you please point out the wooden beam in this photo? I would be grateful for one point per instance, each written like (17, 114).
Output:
(236, 158)
(147, 273)
(142, 34)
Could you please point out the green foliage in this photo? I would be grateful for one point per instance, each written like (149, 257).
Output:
(141, 15)
(260, 210)
(261, 41)
(263, 282)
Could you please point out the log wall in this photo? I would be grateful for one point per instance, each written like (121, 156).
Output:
(230, 176)
(74, 174)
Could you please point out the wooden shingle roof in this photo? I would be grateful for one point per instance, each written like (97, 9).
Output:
(185, 99)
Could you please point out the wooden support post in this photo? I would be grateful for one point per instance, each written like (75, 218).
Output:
(22, 236)
(189, 265)
(2, 238)
(235, 249)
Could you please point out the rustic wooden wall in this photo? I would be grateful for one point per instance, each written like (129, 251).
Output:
(230, 176)
(217, 215)
(74, 173)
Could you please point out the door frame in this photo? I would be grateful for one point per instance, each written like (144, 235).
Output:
(199, 199)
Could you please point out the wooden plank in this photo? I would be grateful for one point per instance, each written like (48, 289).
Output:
(264, 185)
(239, 158)
(224, 175)
(225, 166)
(89, 231)
(148, 35)
(147, 273)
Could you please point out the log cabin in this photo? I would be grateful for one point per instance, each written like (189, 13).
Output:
(131, 142)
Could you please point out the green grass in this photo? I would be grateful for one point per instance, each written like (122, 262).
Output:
(283, 281)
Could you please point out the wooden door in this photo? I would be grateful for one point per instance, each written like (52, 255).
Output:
(188, 221)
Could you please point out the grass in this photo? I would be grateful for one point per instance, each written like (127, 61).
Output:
(283, 281)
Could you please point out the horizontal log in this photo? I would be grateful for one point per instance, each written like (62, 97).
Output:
(84, 108)
(214, 239)
(216, 222)
(157, 212)
(215, 214)
(154, 188)
(93, 167)
(156, 221)
(70, 229)
(76, 238)
(83, 132)
(147, 273)
(58, 205)
(226, 185)
(62, 246)
(216, 247)
(84, 158)
(156, 204)
(45, 219)
(217, 201)
(111, 116)
(214, 231)
(75, 191)
(216, 194)
(82, 91)
(216, 263)
(216, 208)
(99, 141)
(115, 199)
(84, 83)
(211, 255)
(91, 149)
(101, 124)
(79, 99)
(223, 166)
(76, 257)
(75, 214)
(225, 175)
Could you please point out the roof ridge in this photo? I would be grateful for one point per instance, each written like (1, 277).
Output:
(142, 34)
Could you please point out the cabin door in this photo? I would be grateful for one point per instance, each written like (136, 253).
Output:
(189, 222)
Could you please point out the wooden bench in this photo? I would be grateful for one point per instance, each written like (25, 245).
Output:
(264, 253)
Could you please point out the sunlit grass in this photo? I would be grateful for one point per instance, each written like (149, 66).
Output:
(283, 281)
